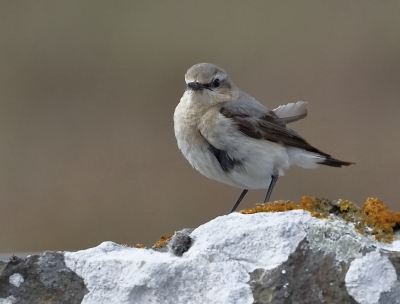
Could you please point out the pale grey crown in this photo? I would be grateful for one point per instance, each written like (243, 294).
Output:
(207, 76)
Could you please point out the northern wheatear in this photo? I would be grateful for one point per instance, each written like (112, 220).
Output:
(230, 137)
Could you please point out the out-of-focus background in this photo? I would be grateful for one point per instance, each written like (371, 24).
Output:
(88, 90)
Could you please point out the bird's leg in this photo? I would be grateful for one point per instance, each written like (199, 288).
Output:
(274, 178)
(239, 200)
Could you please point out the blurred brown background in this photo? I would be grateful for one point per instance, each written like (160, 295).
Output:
(88, 90)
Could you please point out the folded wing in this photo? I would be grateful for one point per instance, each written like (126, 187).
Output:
(271, 125)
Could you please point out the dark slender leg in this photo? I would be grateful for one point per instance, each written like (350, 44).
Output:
(271, 187)
(239, 200)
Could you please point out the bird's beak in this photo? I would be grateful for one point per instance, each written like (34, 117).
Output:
(196, 86)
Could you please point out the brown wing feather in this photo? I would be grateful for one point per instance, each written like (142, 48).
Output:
(270, 127)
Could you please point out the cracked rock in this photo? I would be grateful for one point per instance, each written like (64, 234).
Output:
(282, 257)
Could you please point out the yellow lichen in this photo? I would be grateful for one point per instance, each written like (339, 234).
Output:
(380, 219)
(278, 206)
(372, 218)
(162, 241)
(314, 205)
(344, 205)
(307, 203)
(311, 204)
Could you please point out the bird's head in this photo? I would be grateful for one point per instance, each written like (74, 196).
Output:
(207, 81)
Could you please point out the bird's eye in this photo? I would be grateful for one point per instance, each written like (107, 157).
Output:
(216, 82)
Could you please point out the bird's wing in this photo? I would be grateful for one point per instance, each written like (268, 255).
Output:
(268, 125)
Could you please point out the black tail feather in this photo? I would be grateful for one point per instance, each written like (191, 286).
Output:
(330, 161)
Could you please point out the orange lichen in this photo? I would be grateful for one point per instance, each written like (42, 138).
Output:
(278, 206)
(380, 219)
(314, 205)
(307, 203)
(372, 218)
(311, 204)
(162, 241)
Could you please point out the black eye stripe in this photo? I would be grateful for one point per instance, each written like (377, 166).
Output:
(213, 84)
(208, 86)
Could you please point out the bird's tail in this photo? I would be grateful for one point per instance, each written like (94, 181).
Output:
(307, 159)
(333, 162)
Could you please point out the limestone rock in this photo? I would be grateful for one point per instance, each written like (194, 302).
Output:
(283, 257)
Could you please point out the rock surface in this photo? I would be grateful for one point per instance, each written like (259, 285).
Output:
(287, 257)
(40, 279)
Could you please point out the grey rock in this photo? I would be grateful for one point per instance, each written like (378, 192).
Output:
(181, 242)
(40, 279)
(274, 258)
(306, 277)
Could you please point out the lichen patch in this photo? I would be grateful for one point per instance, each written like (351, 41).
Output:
(373, 218)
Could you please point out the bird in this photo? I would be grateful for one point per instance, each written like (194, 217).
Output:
(230, 137)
